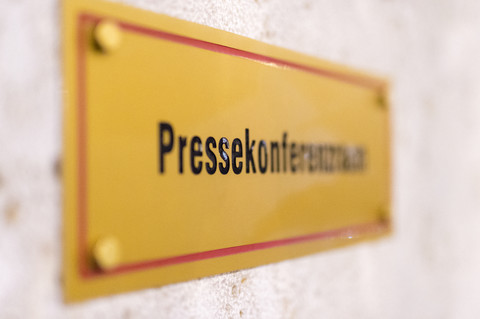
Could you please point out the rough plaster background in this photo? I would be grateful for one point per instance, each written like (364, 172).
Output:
(429, 268)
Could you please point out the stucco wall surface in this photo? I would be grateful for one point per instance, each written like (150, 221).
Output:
(429, 267)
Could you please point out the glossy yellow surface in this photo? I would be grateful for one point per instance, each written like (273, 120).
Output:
(204, 82)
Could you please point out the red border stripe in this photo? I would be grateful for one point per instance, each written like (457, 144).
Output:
(352, 79)
(82, 149)
(347, 233)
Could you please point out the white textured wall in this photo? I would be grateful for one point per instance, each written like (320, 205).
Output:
(429, 268)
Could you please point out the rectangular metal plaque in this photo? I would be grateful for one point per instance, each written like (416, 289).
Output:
(191, 151)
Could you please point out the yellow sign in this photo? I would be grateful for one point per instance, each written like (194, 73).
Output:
(191, 151)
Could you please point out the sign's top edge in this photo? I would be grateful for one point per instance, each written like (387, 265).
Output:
(144, 19)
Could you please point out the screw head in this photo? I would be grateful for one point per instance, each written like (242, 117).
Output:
(106, 252)
(382, 100)
(107, 36)
(383, 213)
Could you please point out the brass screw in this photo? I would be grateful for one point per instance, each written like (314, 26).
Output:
(106, 252)
(107, 36)
(381, 100)
(382, 214)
